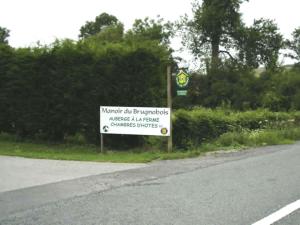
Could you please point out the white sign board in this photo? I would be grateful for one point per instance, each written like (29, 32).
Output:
(135, 120)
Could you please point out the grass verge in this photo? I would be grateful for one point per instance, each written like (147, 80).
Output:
(85, 153)
(227, 141)
(255, 138)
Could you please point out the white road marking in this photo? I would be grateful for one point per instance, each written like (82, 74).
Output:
(276, 216)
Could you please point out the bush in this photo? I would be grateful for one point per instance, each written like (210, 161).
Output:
(77, 139)
(292, 133)
(256, 138)
(259, 119)
(283, 90)
(193, 127)
(53, 93)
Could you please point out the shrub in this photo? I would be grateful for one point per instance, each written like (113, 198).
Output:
(193, 127)
(257, 137)
(52, 93)
(259, 119)
(77, 139)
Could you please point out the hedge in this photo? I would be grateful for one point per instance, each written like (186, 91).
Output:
(193, 127)
(54, 92)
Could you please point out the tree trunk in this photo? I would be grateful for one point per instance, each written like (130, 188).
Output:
(215, 49)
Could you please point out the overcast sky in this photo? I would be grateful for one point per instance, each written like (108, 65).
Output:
(44, 20)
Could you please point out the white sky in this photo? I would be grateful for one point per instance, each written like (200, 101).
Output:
(44, 20)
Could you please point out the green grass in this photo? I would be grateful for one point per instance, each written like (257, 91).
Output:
(84, 153)
(228, 141)
(257, 138)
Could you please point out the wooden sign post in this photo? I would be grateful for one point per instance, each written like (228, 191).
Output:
(169, 94)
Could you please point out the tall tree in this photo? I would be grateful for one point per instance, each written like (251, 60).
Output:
(110, 34)
(294, 45)
(259, 44)
(217, 27)
(151, 29)
(214, 24)
(93, 27)
(4, 34)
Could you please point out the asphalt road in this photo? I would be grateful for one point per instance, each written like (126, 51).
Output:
(224, 189)
(17, 173)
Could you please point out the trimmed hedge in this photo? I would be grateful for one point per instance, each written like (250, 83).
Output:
(193, 127)
(53, 93)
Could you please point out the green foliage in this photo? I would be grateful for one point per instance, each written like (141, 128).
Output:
(217, 30)
(215, 23)
(291, 133)
(259, 44)
(53, 93)
(233, 86)
(239, 88)
(191, 128)
(231, 140)
(294, 45)
(150, 30)
(6, 137)
(200, 125)
(254, 138)
(6, 60)
(155, 142)
(260, 119)
(4, 35)
(101, 22)
(282, 91)
(111, 34)
(9, 146)
(76, 139)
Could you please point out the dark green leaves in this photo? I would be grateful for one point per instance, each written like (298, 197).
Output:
(4, 34)
(101, 22)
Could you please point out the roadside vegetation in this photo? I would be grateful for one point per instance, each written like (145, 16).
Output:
(196, 132)
(201, 125)
(9, 146)
(52, 94)
(233, 141)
